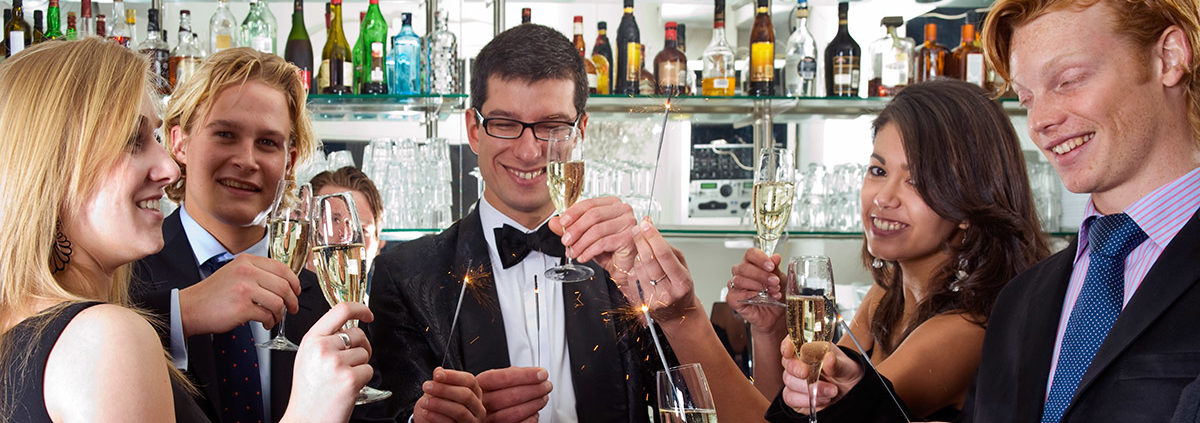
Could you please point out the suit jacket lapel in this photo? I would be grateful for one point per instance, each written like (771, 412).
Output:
(1043, 310)
(596, 371)
(1173, 273)
(480, 325)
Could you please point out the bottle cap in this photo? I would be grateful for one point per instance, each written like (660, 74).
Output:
(895, 21)
(602, 25)
(578, 19)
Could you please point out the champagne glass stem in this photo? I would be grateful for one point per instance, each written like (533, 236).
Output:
(812, 401)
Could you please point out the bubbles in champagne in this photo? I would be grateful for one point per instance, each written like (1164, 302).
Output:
(341, 272)
(289, 242)
(566, 183)
(772, 207)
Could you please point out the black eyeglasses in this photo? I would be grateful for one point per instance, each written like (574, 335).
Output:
(511, 129)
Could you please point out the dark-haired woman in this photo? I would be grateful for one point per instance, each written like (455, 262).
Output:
(949, 219)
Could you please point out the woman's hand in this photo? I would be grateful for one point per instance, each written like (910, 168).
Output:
(838, 374)
(331, 367)
(757, 273)
(662, 273)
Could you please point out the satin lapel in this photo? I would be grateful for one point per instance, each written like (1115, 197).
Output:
(596, 369)
(480, 325)
(1042, 310)
(1174, 272)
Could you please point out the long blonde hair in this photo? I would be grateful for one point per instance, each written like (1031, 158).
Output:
(234, 67)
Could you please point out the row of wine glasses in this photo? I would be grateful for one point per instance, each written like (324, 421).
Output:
(328, 227)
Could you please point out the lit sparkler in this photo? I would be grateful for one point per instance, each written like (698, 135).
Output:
(454, 321)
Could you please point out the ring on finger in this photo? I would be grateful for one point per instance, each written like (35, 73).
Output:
(345, 339)
(730, 284)
(654, 282)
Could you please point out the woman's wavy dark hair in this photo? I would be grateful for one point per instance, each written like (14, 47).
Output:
(967, 163)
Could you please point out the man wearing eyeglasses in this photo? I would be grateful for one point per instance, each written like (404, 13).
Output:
(522, 347)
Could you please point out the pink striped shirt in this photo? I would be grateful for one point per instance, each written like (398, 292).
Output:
(1161, 214)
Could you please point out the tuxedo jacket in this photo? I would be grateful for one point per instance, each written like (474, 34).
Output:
(1140, 372)
(175, 267)
(413, 295)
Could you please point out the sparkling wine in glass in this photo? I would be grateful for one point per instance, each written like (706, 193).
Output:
(564, 176)
(684, 396)
(288, 240)
(774, 192)
(811, 317)
(339, 251)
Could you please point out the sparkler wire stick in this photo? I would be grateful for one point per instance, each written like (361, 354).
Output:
(457, 308)
(846, 327)
(658, 154)
(537, 303)
(658, 346)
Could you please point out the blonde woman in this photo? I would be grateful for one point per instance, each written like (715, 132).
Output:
(79, 191)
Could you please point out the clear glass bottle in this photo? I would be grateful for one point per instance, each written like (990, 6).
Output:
(157, 50)
(121, 30)
(87, 23)
(404, 60)
(800, 68)
(891, 60)
(588, 65)
(718, 75)
(223, 28)
(441, 53)
(256, 34)
(187, 55)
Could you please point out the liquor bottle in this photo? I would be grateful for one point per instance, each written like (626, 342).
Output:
(222, 28)
(72, 31)
(337, 64)
(255, 32)
(356, 54)
(762, 53)
(404, 59)
(157, 50)
(718, 75)
(120, 30)
(842, 57)
(670, 66)
(800, 68)
(39, 34)
(891, 58)
(17, 33)
(968, 59)
(602, 57)
(54, 22)
(87, 23)
(931, 57)
(681, 38)
(441, 55)
(374, 39)
(526, 15)
(102, 26)
(186, 57)
(298, 50)
(646, 85)
(629, 53)
(588, 66)
(264, 8)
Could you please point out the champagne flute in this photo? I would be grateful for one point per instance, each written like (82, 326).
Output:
(288, 240)
(564, 171)
(811, 317)
(340, 262)
(774, 190)
(684, 396)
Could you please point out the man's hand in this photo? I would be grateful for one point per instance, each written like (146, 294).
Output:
(838, 374)
(451, 396)
(247, 288)
(757, 273)
(599, 229)
(514, 394)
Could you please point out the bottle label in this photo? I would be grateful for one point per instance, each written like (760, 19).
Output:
(633, 63)
(323, 76)
(719, 86)
(975, 69)
(762, 62)
(376, 75)
(305, 79)
(670, 73)
(807, 68)
(262, 43)
(845, 76)
(894, 69)
(592, 82)
(16, 42)
(222, 41)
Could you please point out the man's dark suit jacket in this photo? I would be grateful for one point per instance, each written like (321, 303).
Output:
(175, 267)
(414, 293)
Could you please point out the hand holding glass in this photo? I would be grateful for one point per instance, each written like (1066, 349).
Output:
(811, 317)
(564, 176)
(684, 397)
(774, 190)
(341, 266)
(288, 239)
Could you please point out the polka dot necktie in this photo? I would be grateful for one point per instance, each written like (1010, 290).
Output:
(1111, 238)
(237, 367)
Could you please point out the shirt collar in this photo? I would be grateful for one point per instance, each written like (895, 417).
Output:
(1161, 213)
(205, 246)
(491, 218)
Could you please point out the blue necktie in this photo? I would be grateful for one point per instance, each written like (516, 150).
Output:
(237, 366)
(1111, 239)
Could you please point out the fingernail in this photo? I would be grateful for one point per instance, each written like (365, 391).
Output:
(774, 280)
(564, 219)
(566, 237)
(769, 266)
(829, 392)
(646, 224)
(636, 230)
(542, 374)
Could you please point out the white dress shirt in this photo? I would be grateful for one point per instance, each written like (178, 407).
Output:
(534, 325)
(205, 246)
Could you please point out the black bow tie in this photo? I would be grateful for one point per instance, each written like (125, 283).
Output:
(514, 245)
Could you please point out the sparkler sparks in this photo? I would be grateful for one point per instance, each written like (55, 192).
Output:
(454, 321)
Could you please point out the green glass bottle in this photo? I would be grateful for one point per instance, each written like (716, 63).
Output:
(356, 53)
(17, 33)
(72, 32)
(298, 50)
(337, 65)
(374, 37)
(54, 22)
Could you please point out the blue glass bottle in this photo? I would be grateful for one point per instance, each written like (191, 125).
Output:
(403, 68)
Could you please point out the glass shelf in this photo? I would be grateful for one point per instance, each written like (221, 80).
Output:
(360, 107)
(740, 108)
(674, 231)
